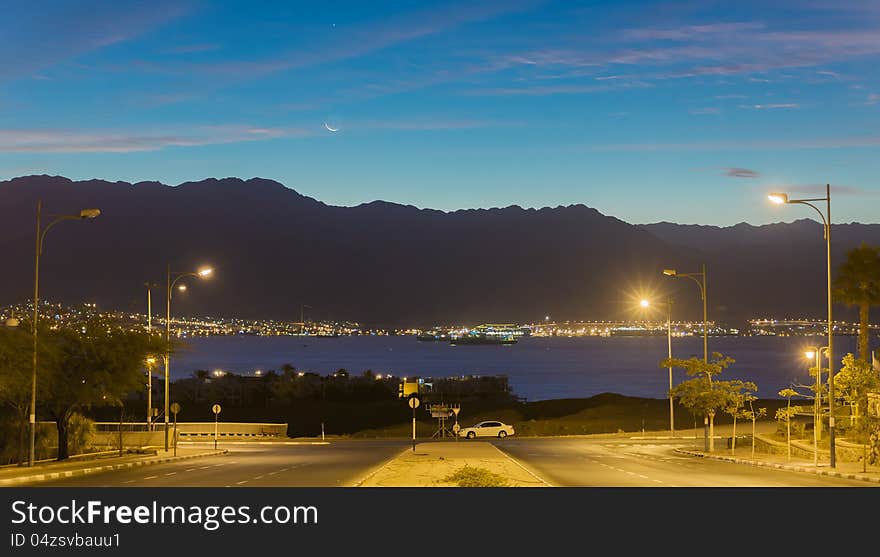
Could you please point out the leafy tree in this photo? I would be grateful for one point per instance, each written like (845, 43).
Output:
(853, 382)
(739, 393)
(16, 375)
(699, 394)
(858, 284)
(97, 363)
(787, 413)
(753, 415)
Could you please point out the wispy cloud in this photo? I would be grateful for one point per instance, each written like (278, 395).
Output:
(66, 32)
(114, 141)
(358, 41)
(772, 106)
(741, 173)
(555, 89)
(873, 98)
(705, 110)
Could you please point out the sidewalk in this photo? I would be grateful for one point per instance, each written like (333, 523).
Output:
(433, 461)
(843, 469)
(41, 471)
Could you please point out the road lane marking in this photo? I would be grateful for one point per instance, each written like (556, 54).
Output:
(241, 482)
(170, 473)
(203, 467)
(151, 477)
(271, 473)
(259, 478)
(127, 481)
(189, 469)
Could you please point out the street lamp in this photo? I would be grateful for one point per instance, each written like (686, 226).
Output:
(817, 402)
(780, 199)
(203, 272)
(701, 282)
(150, 361)
(644, 304)
(41, 234)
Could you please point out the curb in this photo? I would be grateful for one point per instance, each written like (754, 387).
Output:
(376, 470)
(523, 466)
(107, 468)
(779, 466)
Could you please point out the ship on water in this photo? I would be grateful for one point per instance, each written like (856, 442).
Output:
(479, 338)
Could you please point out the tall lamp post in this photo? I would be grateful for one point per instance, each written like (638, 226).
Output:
(779, 199)
(644, 304)
(41, 234)
(700, 279)
(204, 272)
(817, 402)
(150, 361)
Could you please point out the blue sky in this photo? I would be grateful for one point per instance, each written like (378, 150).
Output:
(648, 111)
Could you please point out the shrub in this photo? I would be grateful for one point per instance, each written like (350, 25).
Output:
(470, 476)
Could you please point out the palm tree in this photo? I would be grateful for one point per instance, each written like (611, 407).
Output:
(858, 284)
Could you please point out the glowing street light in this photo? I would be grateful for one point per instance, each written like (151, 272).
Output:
(202, 272)
(40, 236)
(779, 199)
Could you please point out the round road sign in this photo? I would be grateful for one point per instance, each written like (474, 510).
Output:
(175, 408)
(455, 428)
(216, 408)
(413, 402)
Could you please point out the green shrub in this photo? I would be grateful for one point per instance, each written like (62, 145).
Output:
(469, 476)
(79, 433)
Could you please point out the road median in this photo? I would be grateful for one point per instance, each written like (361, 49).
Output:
(437, 464)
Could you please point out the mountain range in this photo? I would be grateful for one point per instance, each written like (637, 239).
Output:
(389, 265)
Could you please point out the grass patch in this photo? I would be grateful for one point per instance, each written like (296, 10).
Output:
(470, 476)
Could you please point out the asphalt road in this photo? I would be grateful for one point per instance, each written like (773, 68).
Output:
(336, 463)
(624, 462)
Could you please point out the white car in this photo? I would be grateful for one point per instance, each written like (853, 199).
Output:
(487, 429)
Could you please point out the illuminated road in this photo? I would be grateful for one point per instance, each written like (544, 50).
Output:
(625, 462)
(336, 463)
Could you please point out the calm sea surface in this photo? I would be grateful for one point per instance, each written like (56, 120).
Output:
(538, 368)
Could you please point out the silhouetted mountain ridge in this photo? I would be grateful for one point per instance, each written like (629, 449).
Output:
(388, 264)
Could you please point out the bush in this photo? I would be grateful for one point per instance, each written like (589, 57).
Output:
(469, 476)
(79, 436)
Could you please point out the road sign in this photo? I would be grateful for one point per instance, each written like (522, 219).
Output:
(175, 408)
(456, 409)
(413, 402)
(215, 409)
(456, 428)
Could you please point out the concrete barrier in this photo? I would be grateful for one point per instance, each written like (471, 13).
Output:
(189, 430)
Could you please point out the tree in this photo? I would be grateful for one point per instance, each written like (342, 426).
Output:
(739, 393)
(698, 394)
(858, 284)
(753, 415)
(787, 413)
(16, 375)
(98, 362)
(853, 382)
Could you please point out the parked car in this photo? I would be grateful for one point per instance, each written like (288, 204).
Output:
(487, 429)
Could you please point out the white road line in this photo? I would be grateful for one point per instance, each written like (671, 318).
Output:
(151, 477)
(127, 481)
(259, 478)
(170, 473)
(241, 482)
(271, 473)
(189, 469)
(658, 481)
(203, 467)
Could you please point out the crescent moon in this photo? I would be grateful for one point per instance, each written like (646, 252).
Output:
(329, 129)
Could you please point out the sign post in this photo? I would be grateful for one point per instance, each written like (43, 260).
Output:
(175, 408)
(414, 403)
(216, 410)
